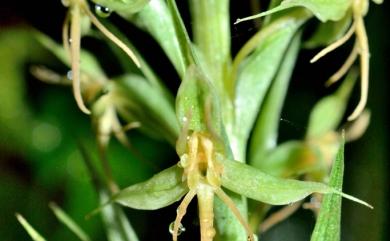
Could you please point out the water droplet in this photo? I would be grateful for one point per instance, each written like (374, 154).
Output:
(183, 161)
(69, 75)
(102, 11)
(180, 230)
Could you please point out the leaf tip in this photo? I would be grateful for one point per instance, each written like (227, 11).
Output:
(18, 216)
(354, 199)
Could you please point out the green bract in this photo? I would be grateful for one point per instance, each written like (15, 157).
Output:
(323, 9)
(275, 191)
(167, 187)
(256, 72)
(160, 191)
(328, 223)
(265, 131)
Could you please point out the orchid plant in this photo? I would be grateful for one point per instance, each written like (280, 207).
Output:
(223, 122)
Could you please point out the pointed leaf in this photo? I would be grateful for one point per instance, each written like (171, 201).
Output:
(327, 227)
(182, 34)
(159, 191)
(324, 10)
(162, 30)
(265, 133)
(115, 221)
(255, 184)
(30, 230)
(256, 74)
(68, 222)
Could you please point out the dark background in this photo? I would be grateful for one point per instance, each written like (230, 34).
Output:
(30, 179)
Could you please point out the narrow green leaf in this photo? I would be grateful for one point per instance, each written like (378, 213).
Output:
(327, 227)
(329, 111)
(68, 222)
(163, 30)
(210, 21)
(159, 191)
(139, 100)
(324, 10)
(256, 73)
(255, 184)
(30, 230)
(115, 222)
(128, 6)
(182, 34)
(264, 137)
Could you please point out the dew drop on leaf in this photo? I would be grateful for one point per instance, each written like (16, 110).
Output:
(102, 11)
(180, 230)
(69, 75)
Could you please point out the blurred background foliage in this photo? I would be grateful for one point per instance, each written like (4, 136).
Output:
(40, 126)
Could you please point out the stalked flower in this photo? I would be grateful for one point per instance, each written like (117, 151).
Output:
(72, 32)
(323, 11)
(202, 172)
(359, 10)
